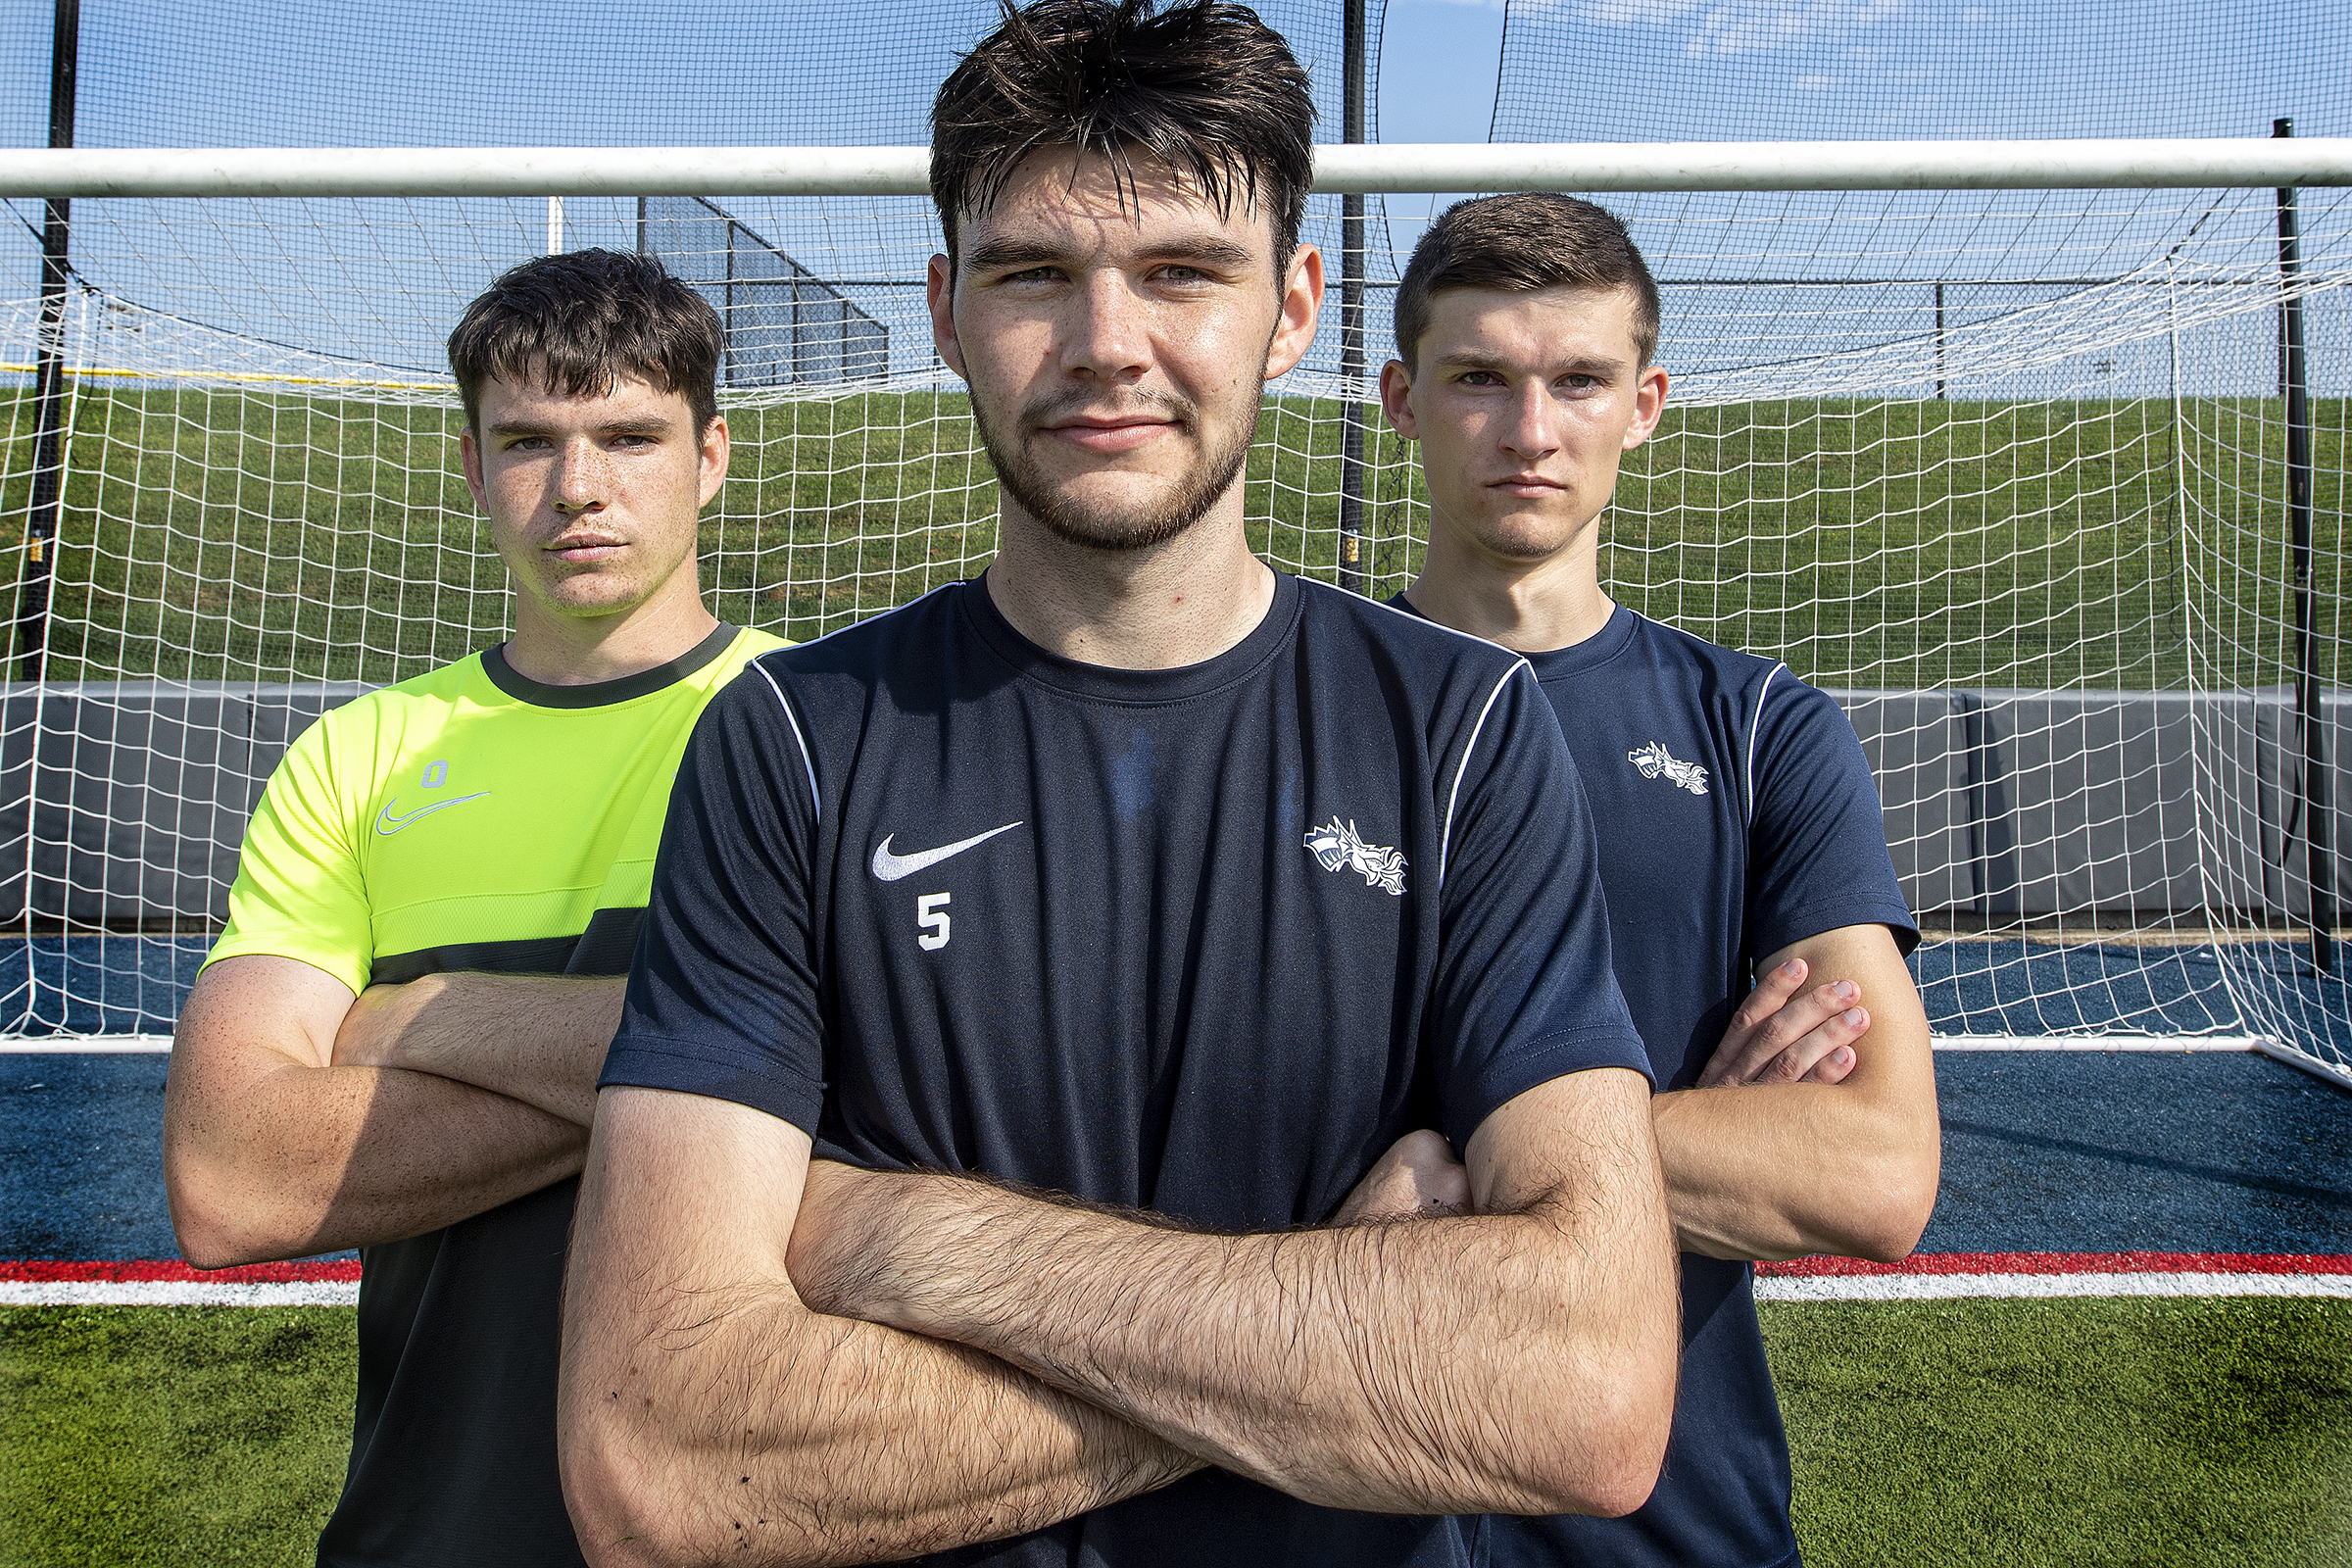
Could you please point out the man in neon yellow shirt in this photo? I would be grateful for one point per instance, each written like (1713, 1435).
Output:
(395, 1044)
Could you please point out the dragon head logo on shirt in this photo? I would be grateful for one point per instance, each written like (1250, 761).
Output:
(1654, 760)
(1340, 847)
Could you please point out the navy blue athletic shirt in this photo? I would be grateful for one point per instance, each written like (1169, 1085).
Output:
(1203, 941)
(1735, 816)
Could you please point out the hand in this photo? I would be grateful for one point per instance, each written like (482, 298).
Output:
(1418, 1178)
(1780, 1036)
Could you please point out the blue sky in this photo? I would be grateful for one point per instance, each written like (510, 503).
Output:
(450, 72)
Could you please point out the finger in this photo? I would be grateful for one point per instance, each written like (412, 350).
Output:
(1750, 1060)
(1804, 1057)
(1831, 1068)
(1772, 993)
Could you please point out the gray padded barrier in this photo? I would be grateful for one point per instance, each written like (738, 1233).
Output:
(2010, 803)
(124, 803)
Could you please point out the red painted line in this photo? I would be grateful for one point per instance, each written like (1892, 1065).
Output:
(2068, 1263)
(47, 1271)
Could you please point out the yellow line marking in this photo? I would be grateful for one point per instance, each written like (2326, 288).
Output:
(241, 375)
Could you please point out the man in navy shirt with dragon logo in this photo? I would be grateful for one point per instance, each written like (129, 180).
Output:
(1740, 832)
(1032, 972)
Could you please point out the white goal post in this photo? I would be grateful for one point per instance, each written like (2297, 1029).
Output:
(1386, 169)
(1997, 440)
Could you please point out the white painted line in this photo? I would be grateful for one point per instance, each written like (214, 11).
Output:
(87, 1045)
(2166, 1043)
(2005, 1287)
(177, 1293)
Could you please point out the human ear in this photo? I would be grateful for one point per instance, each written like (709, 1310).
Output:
(1395, 395)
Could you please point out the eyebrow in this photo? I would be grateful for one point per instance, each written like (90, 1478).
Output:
(653, 427)
(1589, 365)
(1018, 255)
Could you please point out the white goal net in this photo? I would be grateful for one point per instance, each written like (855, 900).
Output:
(2007, 471)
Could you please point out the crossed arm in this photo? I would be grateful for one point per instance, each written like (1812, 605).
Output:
(1762, 1164)
(1813, 1128)
(989, 1361)
(299, 1118)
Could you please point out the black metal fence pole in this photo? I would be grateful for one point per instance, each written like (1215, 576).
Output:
(1351, 325)
(2310, 716)
(47, 502)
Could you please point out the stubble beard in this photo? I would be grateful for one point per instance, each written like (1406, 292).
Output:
(1116, 531)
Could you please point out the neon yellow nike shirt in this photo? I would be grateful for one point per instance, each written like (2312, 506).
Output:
(474, 819)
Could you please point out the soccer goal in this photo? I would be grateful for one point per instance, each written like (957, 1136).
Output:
(2032, 453)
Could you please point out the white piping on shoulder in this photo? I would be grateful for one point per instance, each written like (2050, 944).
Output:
(1455, 795)
(816, 803)
(807, 758)
(1755, 727)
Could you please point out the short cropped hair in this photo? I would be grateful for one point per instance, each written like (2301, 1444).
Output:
(1203, 88)
(1527, 241)
(580, 320)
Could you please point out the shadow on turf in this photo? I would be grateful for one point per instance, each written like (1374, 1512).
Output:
(2322, 1195)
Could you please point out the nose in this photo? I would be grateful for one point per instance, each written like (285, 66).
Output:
(1106, 336)
(579, 477)
(1532, 433)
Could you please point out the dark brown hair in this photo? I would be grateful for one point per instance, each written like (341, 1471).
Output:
(1203, 88)
(1531, 240)
(580, 319)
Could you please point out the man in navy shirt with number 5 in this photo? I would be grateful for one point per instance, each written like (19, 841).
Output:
(1740, 835)
(1170, 889)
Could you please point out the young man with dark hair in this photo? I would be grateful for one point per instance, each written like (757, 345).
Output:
(1167, 888)
(1740, 836)
(394, 1045)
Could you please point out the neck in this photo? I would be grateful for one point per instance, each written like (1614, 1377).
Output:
(1530, 606)
(559, 650)
(1176, 603)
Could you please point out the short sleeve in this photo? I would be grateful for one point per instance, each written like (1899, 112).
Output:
(1525, 990)
(300, 892)
(722, 997)
(1817, 842)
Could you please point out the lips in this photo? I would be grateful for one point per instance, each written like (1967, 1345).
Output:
(584, 546)
(1110, 435)
(1527, 484)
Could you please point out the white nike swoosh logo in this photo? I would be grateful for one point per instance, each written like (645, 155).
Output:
(387, 824)
(890, 867)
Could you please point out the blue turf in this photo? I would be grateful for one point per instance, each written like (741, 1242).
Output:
(2043, 1151)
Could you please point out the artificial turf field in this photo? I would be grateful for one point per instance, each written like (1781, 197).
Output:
(250, 536)
(2168, 1431)
(2088, 1430)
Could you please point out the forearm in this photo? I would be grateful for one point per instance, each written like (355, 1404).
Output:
(1462, 1365)
(538, 1039)
(774, 1436)
(1785, 1170)
(704, 1410)
(291, 1159)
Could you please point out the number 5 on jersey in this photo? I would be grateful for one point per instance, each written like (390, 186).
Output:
(931, 914)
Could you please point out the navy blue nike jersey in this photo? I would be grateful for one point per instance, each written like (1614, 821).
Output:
(1735, 814)
(1201, 941)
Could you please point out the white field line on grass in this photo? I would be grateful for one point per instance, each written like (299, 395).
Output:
(178, 1293)
(1871, 1288)
(86, 1045)
(2013, 1286)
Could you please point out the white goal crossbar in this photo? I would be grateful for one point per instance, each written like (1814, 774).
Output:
(1389, 168)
